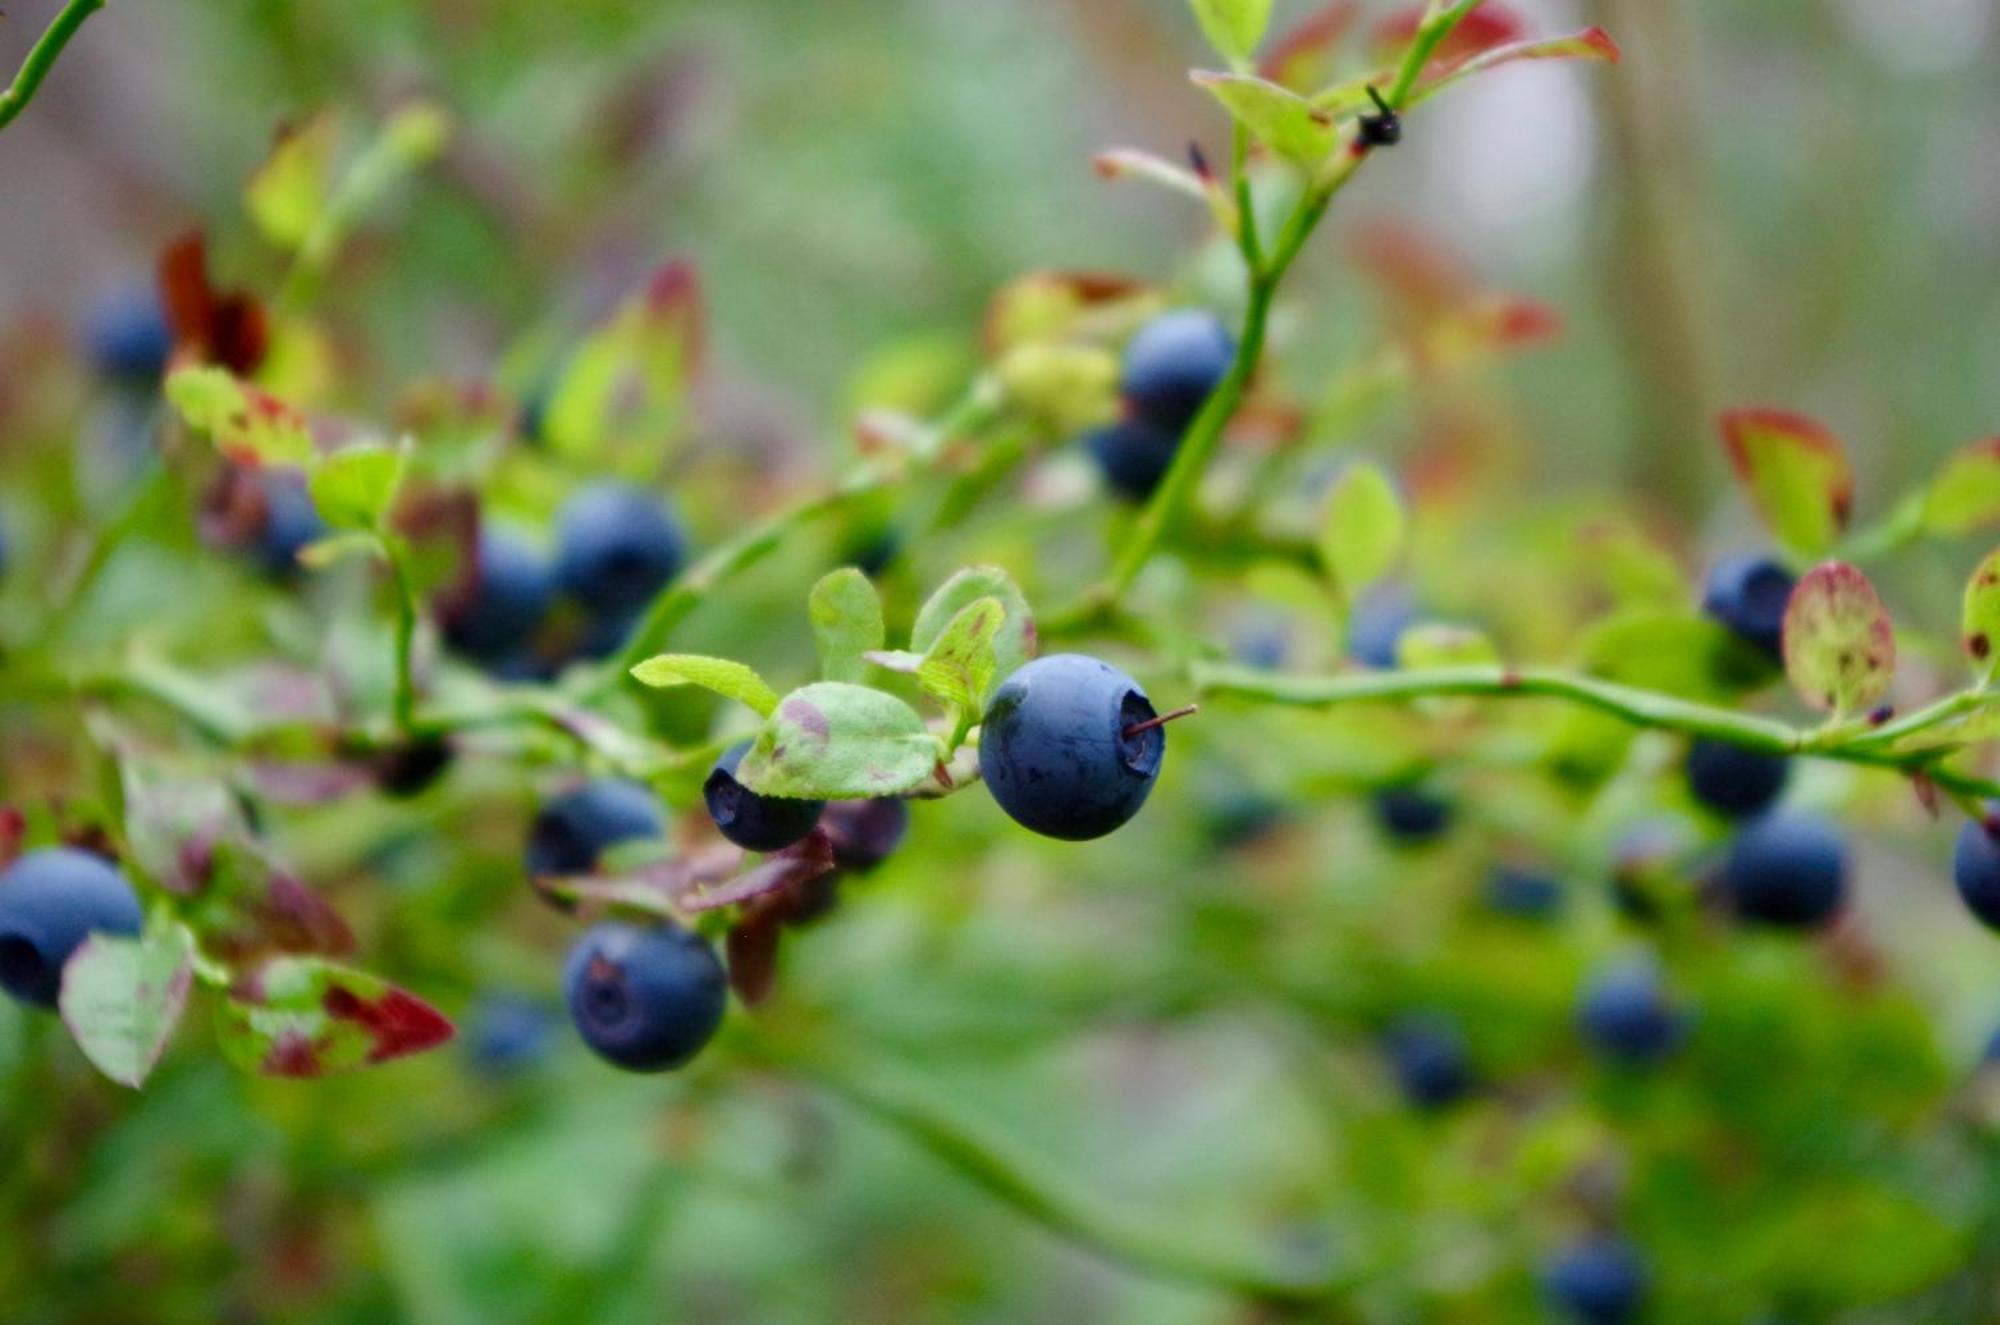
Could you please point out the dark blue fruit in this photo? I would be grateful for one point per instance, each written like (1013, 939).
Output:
(291, 522)
(1054, 751)
(1626, 1015)
(496, 609)
(1975, 866)
(1749, 596)
(1429, 1059)
(410, 769)
(1523, 894)
(1787, 870)
(1411, 815)
(572, 830)
(1133, 455)
(616, 547)
(1172, 364)
(756, 823)
(127, 336)
(1599, 1281)
(507, 1034)
(1735, 782)
(646, 999)
(50, 902)
(865, 833)
(1376, 624)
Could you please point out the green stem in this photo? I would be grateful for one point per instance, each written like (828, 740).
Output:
(1044, 1196)
(406, 634)
(42, 57)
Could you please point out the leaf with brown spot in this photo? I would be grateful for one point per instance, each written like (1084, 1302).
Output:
(1796, 472)
(1979, 621)
(1840, 649)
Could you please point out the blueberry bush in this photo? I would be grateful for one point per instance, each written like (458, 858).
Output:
(517, 844)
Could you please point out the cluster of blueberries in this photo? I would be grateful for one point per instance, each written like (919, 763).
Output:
(1170, 367)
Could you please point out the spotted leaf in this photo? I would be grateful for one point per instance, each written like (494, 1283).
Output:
(1796, 472)
(835, 741)
(1840, 650)
(305, 1017)
(1980, 621)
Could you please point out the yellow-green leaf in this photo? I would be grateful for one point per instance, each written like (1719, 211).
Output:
(1361, 534)
(833, 741)
(960, 665)
(1966, 493)
(1796, 472)
(731, 680)
(847, 623)
(353, 488)
(1980, 621)
(248, 425)
(1276, 116)
(1840, 650)
(289, 191)
(1233, 27)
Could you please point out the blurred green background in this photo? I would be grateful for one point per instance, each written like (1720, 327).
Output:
(1783, 201)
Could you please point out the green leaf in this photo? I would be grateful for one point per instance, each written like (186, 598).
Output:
(1797, 474)
(307, 1017)
(847, 623)
(731, 680)
(622, 397)
(959, 669)
(834, 741)
(1840, 651)
(326, 551)
(1589, 44)
(1015, 643)
(1361, 534)
(249, 426)
(1435, 644)
(1277, 117)
(289, 191)
(1980, 620)
(1966, 493)
(1233, 27)
(1673, 651)
(353, 488)
(121, 998)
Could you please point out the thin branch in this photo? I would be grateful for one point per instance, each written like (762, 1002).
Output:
(42, 57)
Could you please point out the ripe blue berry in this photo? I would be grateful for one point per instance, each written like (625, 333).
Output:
(865, 833)
(508, 1034)
(50, 902)
(1054, 751)
(1429, 1059)
(1133, 455)
(1975, 867)
(1523, 894)
(1734, 782)
(616, 547)
(572, 830)
(127, 337)
(1411, 815)
(645, 999)
(1376, 624)
(495, 610)
(291, 522)
(751, 821)
(1626, 1015)
(1749, 596)
(1598, 1281)
(1787, 870)
(1172, 364)
(409, 769)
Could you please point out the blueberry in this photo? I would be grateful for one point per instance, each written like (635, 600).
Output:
(1235, 814)
(865, 833)
(1429, 1059)
(507, 1034)
(1598, 1281)
(1133, 455)
(605, 633)
(412, 767)
(1975, 866)
(875, 552)
(1788, 870)
(127, 336)
(291, 522)
(646, 999)
(1412, 815)
(1376, 624)
(572, 830)
(616, 547)
(494, 612)
(1749, 596)
(1054, 752)
(1627, 1017)
(1172, 364)
(50, 902)
(1732, 781)
(757, 823)
(1524, 894)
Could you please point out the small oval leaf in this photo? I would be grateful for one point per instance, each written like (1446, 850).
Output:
(121, 998)
(847, 623)
(1012, 646)
(731, 680)
(959, 669)
(834, 741)
(1980, 620)
(1796, 472)
(1965, 495)
(1275, 116)
(1361, 534)
(1233, 27)
(1840, 650)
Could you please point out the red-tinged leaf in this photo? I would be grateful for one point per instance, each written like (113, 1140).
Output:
(249, 426)
(1966, 493)
(1303, 57)
(1840, 650)
(228, 328)
(622, 396)
(1051, 305)
(781, 871)
(752, 949)
(656, 887)
(1484, 28)
(1796, 472)
(304, 1017)
(1926, 788)
(13, 831)
(1590, 44)
(1487, 325)
(1979, 620)
(1420, 278)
